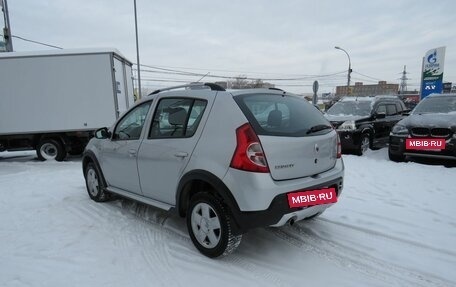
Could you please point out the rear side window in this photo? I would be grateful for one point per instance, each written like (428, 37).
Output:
(177, 118)
(277, 115)
(391, 110)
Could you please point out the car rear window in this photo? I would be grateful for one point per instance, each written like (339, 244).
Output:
(281, 115)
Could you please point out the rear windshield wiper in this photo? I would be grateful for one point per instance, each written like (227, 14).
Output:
(318, 128)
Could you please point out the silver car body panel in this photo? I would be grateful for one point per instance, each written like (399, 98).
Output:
(153, 175)
(218, 141)
(255, 191)
(295, 157)
(161, 162)
(118, 162)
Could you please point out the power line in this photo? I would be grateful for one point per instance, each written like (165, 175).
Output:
(360, 79)
(173, 71)
(166, 80)
(185, 73)
(36, 42)
(231, 71)
(367, 76)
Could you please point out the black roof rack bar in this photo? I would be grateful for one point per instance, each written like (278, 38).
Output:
(212, 86)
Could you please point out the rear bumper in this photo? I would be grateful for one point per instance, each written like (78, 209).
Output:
(397, 147)
(279, 212)
(262, 202)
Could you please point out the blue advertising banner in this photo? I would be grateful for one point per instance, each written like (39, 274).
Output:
(432, 72)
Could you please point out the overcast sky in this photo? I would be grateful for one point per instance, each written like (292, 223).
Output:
(267, 39)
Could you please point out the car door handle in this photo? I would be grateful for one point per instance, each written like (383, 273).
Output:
(181, 154)
(132, 153)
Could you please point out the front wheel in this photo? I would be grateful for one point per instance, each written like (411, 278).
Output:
(210, 226)
(94, 183)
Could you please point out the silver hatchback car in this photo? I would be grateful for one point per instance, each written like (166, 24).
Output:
(228, 161)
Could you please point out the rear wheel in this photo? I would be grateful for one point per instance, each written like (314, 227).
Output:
(210, 226)
(364, 144)
(50, 149)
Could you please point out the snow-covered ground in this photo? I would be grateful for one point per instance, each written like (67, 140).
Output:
(394, 225)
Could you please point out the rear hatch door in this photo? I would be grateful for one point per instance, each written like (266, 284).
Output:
(296, 138)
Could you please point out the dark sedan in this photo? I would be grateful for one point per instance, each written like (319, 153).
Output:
(429, 131)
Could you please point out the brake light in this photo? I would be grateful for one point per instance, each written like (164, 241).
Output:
(249, 154)
(339, 147)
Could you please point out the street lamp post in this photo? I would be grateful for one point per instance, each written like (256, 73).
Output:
(137, 53)
(349, 68)
(7, 30)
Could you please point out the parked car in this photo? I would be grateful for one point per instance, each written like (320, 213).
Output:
(434, 118)
(213, 157)
(365, 122)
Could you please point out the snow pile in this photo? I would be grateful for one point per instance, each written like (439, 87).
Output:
(393, 226)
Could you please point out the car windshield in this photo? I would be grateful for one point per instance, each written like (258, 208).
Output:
(443, 104)
(350, 108)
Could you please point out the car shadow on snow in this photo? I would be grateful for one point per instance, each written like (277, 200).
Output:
(257, 244)
(433, 161)
(30, 156)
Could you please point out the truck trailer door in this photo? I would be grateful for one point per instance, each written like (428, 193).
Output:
(121, 86)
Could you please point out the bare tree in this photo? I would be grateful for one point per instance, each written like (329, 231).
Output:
(241, 82)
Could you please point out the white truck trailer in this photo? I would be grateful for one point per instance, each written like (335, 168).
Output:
(53, 101)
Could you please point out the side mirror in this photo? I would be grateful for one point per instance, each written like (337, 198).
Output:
(102, 133)
(380, 115)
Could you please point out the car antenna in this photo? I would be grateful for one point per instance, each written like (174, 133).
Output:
(203, 77)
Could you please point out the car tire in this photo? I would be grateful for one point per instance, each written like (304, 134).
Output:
(94, 183)
(50, 149)
(364, 144)
(210, 226)
(396, 157)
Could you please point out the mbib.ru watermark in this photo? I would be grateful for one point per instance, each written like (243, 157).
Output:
(425, 144)
(312, 197)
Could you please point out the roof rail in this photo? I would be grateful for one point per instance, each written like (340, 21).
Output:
(387, 96)
(212, 86)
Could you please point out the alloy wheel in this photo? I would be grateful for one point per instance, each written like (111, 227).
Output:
(206, 225)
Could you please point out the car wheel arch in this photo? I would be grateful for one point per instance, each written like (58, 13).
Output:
(202, 180)
(88, 157)
(367, 129)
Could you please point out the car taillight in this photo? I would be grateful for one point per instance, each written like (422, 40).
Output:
(339, 147)
(249, 154)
